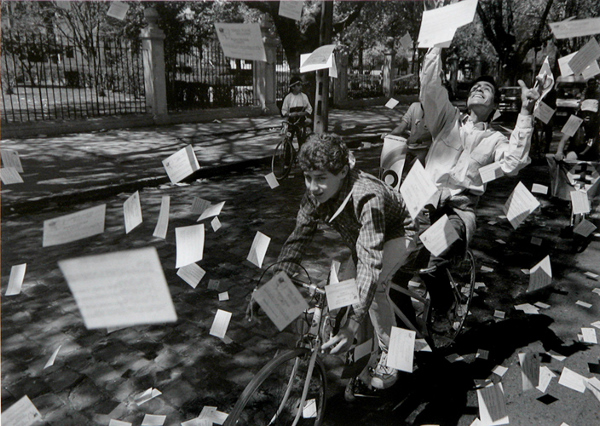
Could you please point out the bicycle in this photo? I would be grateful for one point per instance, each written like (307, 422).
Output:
(284, 154)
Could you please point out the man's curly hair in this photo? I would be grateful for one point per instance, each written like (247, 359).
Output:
(324, 152)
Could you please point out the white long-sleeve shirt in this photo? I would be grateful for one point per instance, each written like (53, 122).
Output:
(295, 101)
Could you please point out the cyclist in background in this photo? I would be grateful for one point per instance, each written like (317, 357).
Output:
(296, 108)
(372, 219)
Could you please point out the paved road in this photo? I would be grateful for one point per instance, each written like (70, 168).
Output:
(97, 374)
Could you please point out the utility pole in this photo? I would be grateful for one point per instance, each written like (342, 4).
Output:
(322, 91)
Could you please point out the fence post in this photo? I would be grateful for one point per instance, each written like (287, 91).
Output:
(340, 85)
(153, 52)
(264, 75)
(388, 68)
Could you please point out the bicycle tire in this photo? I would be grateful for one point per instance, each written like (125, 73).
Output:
(261, 398)
(462, 280)
(283, 159)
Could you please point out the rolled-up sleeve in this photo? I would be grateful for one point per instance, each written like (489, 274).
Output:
(513, 154)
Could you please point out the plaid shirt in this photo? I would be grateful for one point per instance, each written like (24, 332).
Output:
(374, 214)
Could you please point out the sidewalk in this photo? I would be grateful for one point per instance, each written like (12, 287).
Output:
(84, 166)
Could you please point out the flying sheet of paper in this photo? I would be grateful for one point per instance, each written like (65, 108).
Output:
(391, 104)
(402, 349)
(527, 308)
(417, 189)
(132, 211)
(575, 28)
(211, 414)
(545, 79)
(333, 272)
(310, 409)
(52, 358)
(563, 64)
(191, 274)
(543, 112)
(439, 236)
(321, 58)
(199, 205)
(272, 180)
(213, 210)
(500, 370)
(162, 225)
(118, 10)
(439, 25)
(15, 281)
(259, 249)
(579, 202)
(342, 294)
(181, 164)
(585, 56)
(540, 275)
(281, 300)
(492, 405)
(519, 205)
(190, 244)
(220, 324)
(491, 172)
(530, 370)
(146, 396)
(406, 41)
(10, 175)
(10, 158)
(591, 71)
(213, 284)
(291, 9)
(546, 375)
(21, 413)
(120, 288)
(572, 380)
(536, 188)
(584, 228)
(572, 125)
(241, 41)
(583, 304)
(153, 420)
(392, 159)
(114, 422)
(223, 297)
(589, 335)
(74, 226)
(593, 385)
(198, 422)
(215, 224)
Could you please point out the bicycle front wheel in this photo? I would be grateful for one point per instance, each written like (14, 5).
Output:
(273, 396)
(283, 159)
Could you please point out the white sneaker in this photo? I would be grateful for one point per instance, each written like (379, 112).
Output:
(382, 376)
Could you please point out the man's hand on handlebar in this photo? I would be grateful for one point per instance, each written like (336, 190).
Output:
(559, 156)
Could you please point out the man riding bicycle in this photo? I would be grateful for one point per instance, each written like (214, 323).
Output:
(296, 108)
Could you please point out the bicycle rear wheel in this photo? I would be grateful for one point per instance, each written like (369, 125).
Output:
(283, 159)
(272, 397)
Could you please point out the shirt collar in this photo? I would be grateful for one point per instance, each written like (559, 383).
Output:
(469, 124)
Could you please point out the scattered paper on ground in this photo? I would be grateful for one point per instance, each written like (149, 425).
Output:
(492, 405)
(546, 376)
(153, 420)
(572, 380)
(530, 370)
(540, 275)
(146, 396)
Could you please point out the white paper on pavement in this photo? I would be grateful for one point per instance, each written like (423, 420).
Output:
(536, 188)
(118, 10)
(580, 202)
(321, 58)
(585, 56)
(10, 175)
(220, 324)
(114, 422)
(575, 28)
(593, 384)
(402, 349)
(492, 405)
(589, 335)
(146, 396)
(540, 275)
(15, 281)
(241, 41)
(191, 274)
(543, 112)
(162, 225)
(74, 226)
(120, 289)
(530, 370)
(52, 358)
(153, 420)
(259, 249)
(310, 409)
(272, 180)
(439, 236)
(10, 158)
(491, 172)
(291, 9)
(417, 189)
(572, 125)
(572, 380)
(211, 414)
(546, 375)
(519, 205)
(585, 228)
(132, 212)
(281, 300)
(391, 104)
(197, 422)
(439, 25)
(181, 164)
(21, 413)
(212, 210)
(342, 294)
(190, 244)
(223, 297)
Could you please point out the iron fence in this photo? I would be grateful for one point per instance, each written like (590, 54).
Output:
(49, 77)
(203, 77)
(282, 71)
